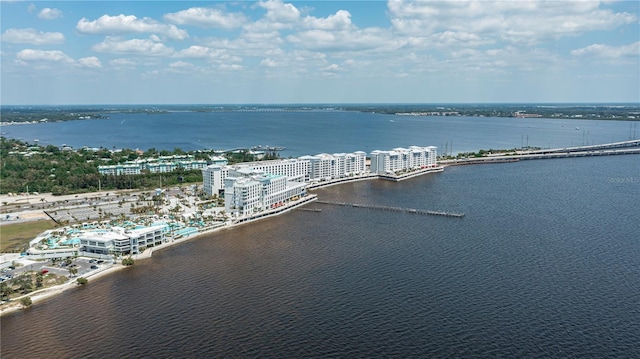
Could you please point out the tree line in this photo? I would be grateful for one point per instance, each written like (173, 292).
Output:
(28, 168)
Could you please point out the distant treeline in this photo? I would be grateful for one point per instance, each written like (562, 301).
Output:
(62, 113)
(564, 111)
(24, 167)
(600, 112)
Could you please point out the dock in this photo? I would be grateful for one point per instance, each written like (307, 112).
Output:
(395, 209)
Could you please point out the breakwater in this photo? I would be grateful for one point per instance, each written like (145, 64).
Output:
(395, 209)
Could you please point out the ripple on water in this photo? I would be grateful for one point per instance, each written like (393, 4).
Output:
(534, 269)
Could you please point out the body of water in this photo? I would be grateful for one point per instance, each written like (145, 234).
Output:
(308, 133)
(545, 263)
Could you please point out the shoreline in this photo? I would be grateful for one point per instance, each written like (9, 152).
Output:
(43, 294)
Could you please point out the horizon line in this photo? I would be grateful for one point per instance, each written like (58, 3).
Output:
(328, 103)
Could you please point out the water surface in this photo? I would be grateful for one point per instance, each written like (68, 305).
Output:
(546, 263)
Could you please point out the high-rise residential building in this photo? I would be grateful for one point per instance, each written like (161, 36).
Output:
(214, 175)
(248, 191)
(213, 179)
(400, 159)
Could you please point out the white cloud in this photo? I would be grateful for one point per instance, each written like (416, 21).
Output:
(194, 52)
(29, 55)
(332, 67)
(341, 20)
(279, 16)
(32, 36)
(280, 12)
(181, 64)
(611, 52)
(123, 24)
(456, 39)
(123, 62)
(268, 63)
(207, 18)
(256, 44)
(147, 47)
(347, 40)
(42, 57)
(91, 62)
(231, 67)
(523, 22)
(49, 13)
(202, 52)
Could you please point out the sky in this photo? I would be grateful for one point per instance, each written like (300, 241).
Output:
(281, 52)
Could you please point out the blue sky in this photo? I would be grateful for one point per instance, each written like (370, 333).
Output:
(275, 51)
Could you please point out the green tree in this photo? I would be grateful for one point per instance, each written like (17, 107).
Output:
(25, 283)
(127, 261)
(82, 281)
(5, 290)
(73, 271)
(26, 302)
(39, 279)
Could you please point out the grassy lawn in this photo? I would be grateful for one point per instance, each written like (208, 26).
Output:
(16, 237)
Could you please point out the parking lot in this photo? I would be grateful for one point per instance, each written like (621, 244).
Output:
(83, 265)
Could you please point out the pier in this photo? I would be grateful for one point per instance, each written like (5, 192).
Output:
(395, 209)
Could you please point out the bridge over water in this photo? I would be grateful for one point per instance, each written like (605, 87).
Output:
(604, 146)
(606, 149)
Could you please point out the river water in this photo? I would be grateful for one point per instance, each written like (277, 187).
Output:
(313, 132)
(545, 263)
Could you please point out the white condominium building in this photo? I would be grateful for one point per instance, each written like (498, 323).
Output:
(324, 167)
(351, 163)
(400, 159)
(293, 169)
(214, 176)
(213, 179)
(247, 191)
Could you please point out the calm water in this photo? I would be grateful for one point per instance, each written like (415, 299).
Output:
(305, 133)
(546, 263)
